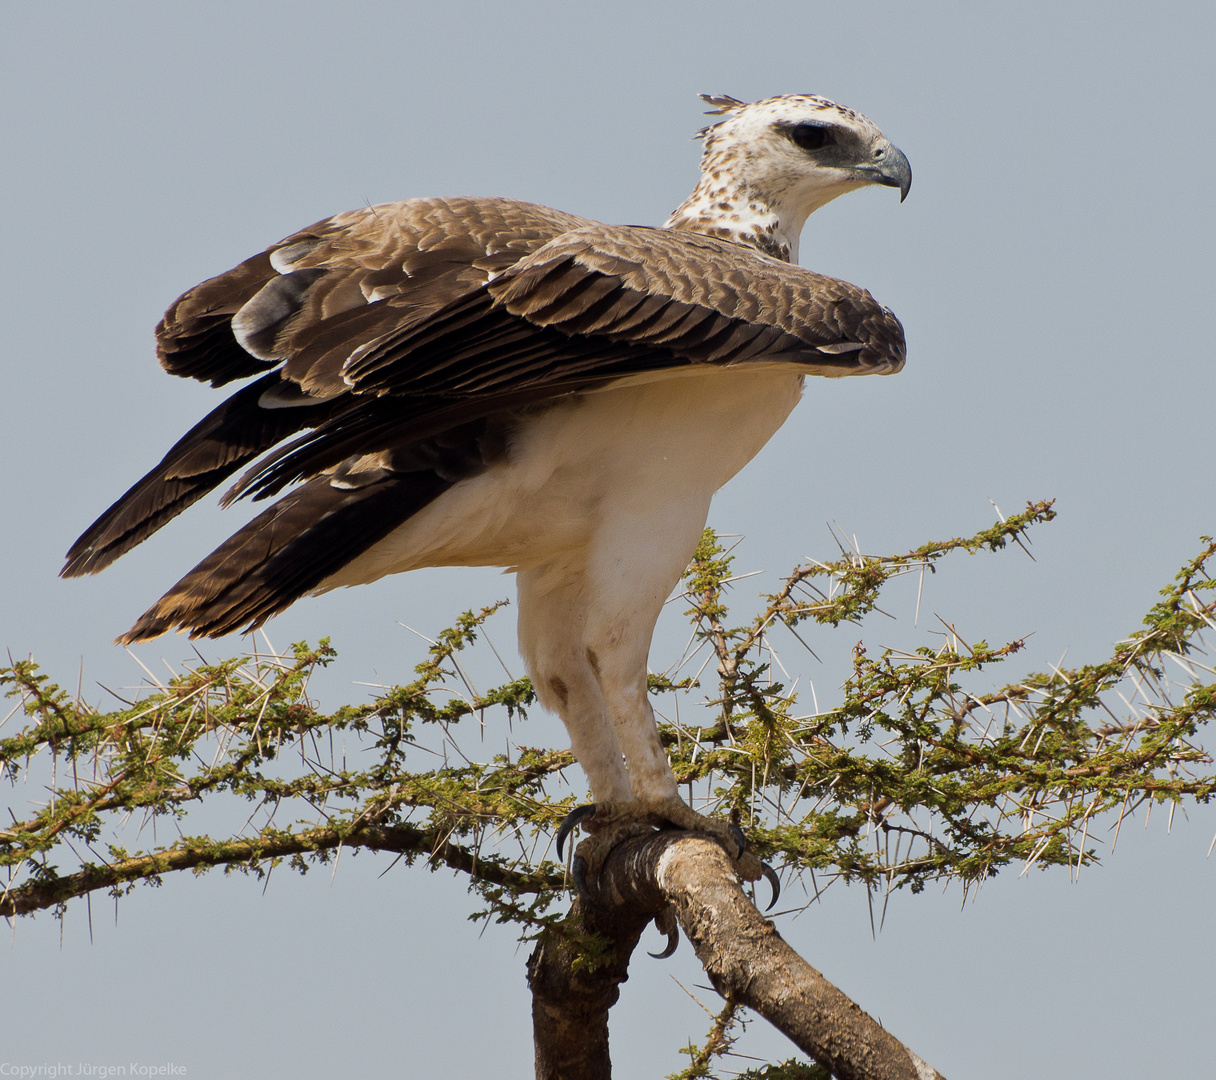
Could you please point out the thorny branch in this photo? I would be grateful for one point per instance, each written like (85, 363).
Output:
(921, 771)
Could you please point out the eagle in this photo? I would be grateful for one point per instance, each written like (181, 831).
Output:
(490, 382)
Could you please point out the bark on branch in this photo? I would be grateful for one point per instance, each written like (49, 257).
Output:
(741, 951)
(570, 999)
(403, 839)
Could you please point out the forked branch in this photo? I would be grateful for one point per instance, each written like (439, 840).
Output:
(744, 956)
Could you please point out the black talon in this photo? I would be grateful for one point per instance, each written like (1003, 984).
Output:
(673, 940)
(570, 822)
(740, 838)
(578, 871)
(770, 875)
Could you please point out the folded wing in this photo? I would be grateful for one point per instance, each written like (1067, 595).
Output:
(398, 343)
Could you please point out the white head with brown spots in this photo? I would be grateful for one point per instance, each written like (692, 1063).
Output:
(768, 166)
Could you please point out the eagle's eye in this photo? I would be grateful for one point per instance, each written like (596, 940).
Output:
(811, 136)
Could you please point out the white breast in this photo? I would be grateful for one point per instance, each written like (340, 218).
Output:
(624, 450)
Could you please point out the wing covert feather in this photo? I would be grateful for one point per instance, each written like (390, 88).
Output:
(426, 249)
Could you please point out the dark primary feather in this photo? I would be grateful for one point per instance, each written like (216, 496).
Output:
(223, 441)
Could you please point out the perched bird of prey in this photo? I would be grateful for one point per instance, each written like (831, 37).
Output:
(486, 382)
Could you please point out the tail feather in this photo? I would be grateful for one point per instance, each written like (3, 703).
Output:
(284, 553)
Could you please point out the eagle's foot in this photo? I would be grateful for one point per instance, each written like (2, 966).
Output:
(606, 830)
(611, 823)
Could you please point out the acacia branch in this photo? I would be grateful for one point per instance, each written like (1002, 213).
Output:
(573, 989)
(745, 958)
(196, 853)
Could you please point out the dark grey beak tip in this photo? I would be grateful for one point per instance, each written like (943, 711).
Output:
(900, 172)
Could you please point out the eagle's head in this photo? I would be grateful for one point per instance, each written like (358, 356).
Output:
(769, 165)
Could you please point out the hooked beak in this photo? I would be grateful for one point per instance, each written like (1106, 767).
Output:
(890, 168)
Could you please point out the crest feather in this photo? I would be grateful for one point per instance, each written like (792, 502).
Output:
(722, 103)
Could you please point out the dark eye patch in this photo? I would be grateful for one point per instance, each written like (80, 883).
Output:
(811, 136)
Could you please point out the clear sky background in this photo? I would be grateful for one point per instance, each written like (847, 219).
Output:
(1053, 268)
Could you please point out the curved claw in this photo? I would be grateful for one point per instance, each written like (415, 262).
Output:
(570, 822)
(578, 871)
(740, 838)
(673, 940)
(770, 875)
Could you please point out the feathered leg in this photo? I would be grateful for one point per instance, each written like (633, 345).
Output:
(593, 670)
(551, 631)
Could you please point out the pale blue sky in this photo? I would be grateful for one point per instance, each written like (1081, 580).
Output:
(1053, 267)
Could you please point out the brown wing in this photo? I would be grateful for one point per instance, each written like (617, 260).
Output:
(420, 252)
(401, 348)
(308, 300)
(597, 304)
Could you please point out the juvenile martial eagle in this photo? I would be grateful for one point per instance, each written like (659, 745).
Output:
(486, 382)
